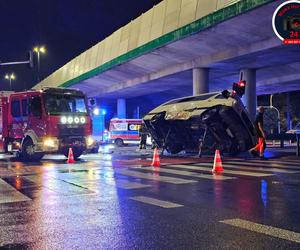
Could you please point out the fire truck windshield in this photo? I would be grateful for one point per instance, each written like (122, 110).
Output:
(56, 104)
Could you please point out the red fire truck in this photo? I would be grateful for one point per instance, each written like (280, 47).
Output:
(51, 120)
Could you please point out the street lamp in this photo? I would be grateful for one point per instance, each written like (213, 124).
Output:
(10, 77)
(39, 50)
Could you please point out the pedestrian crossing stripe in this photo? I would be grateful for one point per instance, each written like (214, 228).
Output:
(227, 171)
(156, 202)
(266, 162)
(186, 173)
(263, 164)
(264, 229)
(149, 176)
(80, 182)
(130, 184)
(256, 168)
(126, 184)
(60, 187)
(9, 194)
(274, 161)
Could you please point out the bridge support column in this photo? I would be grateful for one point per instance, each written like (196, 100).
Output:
(200, 81)
(121, 108)
(250, 98)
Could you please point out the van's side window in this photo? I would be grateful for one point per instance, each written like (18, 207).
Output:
(15, 108)
(25, 106)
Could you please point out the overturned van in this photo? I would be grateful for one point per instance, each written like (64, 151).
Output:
(204, 122)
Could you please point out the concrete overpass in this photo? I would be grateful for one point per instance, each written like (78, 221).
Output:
(185, 47)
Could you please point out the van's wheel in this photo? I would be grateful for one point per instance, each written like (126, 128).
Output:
(119, 142)
(174, 148)
(28, 151)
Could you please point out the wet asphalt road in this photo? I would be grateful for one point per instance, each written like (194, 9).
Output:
(117, 201)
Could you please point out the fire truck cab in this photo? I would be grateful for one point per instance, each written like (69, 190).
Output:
(51, 120)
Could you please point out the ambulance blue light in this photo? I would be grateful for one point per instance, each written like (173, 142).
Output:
(96, 111)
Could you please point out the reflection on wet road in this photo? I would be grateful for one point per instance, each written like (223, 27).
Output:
(106, 203)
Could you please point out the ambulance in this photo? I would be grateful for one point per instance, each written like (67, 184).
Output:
(124, 131)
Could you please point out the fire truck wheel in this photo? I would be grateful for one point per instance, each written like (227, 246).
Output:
(28, 151)
(77, 154)
(119, 142)
(6, 141)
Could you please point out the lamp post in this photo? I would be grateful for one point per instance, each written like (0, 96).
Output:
(39, 50)
(10, 77)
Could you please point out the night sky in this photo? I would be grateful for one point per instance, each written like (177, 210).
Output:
(65, 27)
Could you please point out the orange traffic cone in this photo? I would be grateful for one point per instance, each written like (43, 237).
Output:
(156, 160)
(217, 168)
(70, 156)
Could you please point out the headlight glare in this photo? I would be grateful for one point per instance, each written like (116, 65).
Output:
(70, 119)
(89, 141)
(63, 120)
(76, 119)
(49, 142)
(82, 120)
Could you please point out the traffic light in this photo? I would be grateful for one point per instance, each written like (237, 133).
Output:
(92, 101)
(239, 88)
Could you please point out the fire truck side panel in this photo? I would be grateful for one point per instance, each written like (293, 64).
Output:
(4, 117)
(3, 122)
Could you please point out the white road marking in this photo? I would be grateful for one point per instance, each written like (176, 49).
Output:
(9, 194)
(80, 180)
(89, 183)
(280, 161)
(155, 202)
(130, 185)
(226, 171)
(260, 168)
(267, 230)
(187, 173)
(149, 176)
(61, 187)
(267, 163)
